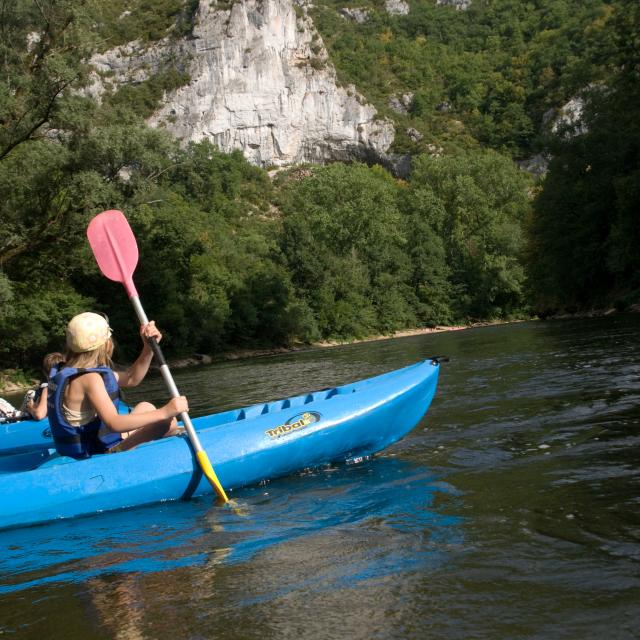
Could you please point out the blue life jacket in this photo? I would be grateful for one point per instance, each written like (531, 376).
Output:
(91, 438)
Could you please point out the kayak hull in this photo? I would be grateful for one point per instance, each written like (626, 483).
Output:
(245, 446)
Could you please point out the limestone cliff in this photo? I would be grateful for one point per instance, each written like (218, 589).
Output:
(260, 82)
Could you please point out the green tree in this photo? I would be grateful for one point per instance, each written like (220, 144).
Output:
(44, 47)
(481, 199)
(429, 280)
(344, 241)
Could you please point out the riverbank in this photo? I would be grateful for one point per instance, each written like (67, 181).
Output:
(239, 354)
(13, 381)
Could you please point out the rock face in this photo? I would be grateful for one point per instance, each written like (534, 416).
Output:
(260, 82)
(568, 121)
(460, 5)
(396, 7)
(414, 134)
(358, 15)
(401, 104)
(565, 122)
(536, 165)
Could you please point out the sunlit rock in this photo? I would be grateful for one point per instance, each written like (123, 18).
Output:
(358, 15)
(396, 7)
(260, 82)
(460, 5)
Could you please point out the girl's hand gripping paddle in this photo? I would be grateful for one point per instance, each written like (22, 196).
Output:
(116, 251)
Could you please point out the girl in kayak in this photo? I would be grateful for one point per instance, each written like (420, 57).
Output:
(35, 402)
(84, 394)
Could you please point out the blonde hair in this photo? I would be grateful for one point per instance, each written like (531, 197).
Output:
(100, 357)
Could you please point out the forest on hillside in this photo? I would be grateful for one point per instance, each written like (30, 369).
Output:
(230, 256)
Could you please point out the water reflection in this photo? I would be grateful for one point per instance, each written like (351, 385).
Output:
(387, 501)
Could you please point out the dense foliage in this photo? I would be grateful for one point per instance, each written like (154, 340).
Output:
(230, 256)
(488, 74)
(371, 255)
(585, 234)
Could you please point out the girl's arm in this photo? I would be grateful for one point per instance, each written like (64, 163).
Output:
(93, 386)
(135, 374)
(39, 411)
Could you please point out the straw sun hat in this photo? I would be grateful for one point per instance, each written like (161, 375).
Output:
(87, 332)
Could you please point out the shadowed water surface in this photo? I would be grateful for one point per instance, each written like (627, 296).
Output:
(511, 511)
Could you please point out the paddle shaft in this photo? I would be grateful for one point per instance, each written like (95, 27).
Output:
(184, 416)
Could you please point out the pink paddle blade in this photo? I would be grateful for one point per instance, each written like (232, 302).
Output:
(114, 247)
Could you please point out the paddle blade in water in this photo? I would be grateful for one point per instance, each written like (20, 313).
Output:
(114, 247)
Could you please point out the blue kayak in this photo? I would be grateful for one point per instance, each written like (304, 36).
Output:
(245, 446)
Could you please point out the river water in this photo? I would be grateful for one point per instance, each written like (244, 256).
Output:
(512, 511)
